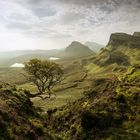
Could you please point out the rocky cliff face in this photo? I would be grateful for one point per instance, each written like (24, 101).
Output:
(122, 39)
(137, 34)
(122, 49)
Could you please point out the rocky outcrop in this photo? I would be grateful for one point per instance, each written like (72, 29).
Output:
(137, 34)
(123, 39)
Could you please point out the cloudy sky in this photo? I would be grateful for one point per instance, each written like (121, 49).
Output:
(50, 24)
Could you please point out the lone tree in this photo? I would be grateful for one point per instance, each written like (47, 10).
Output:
(44, 74)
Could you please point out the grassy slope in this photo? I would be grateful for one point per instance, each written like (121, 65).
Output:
(108, 111)
(78, 79)
(109, 105)
(18, 118)
(12, 75)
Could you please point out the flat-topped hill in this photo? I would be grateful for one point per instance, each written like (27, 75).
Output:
(136, 34)
(117, 39)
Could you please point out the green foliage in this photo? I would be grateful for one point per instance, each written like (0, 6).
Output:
(15, 110)
(19, 119)
(44, 74)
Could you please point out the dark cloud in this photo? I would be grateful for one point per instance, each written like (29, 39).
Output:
(107, 6)
(86, 2)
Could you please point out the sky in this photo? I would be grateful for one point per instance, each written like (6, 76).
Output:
(54, 24)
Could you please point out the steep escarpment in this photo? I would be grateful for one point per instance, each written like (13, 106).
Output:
(137, 34)
(122, 49)
(122, 39)
(119, 39)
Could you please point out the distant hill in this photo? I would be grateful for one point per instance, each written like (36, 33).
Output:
(74, 50)
(18, 53)
(94, 46)
(26, 57)
(78, 49)
(11, 57)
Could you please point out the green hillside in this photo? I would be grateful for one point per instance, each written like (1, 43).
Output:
(98, 98)
(122, 49)
(109, 110)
